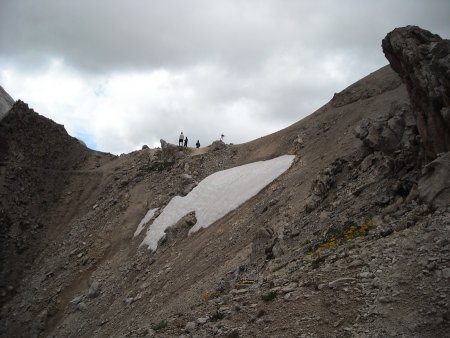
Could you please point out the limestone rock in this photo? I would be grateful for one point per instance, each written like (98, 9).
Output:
(262, 242)
(422, 61)
(387, 134)
(94, 289)
(434, 185)
(322, 184)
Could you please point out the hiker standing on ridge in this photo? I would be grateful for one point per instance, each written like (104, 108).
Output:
(181, 139)
(197, 144)
(185, 141)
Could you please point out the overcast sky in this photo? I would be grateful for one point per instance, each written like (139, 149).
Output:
(122, 73)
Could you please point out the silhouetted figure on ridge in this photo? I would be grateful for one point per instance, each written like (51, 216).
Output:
(181, 139)
(197, 144)
(185, 141)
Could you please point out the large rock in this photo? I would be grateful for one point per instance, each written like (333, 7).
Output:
(434, 185)
(422, 60)
(170, 152)
(389, 133)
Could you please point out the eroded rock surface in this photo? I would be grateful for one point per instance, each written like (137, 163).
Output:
(434, 185)
(422, 60)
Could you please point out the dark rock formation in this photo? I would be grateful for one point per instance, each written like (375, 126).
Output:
(37, 159)
(322, 184)
(434, 185)
(389, 133)
(22, 136)
(422, 60)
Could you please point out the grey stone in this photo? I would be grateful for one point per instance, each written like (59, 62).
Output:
(202, 320)
(94, 289)
(76, 300)
(421, 60)
(289, 288)
(366, 274)
(190, 326)
(356, 263)
(434, 185)
(446, 273)
(81, 306)
(340, 282)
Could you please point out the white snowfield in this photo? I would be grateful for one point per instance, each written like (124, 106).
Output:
(148, 216)
(215, 196)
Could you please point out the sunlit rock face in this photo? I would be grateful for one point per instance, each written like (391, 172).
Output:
(6, 102)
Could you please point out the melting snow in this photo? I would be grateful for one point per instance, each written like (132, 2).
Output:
(215, 196)
(148, 216)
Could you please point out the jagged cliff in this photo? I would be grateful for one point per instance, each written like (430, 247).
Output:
(351, 241)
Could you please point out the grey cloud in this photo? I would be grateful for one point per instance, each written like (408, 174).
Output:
(103, 35)
(278, 59)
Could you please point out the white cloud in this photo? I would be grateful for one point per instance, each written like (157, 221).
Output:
(127, 73)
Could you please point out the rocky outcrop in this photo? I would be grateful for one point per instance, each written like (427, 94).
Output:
(422, 60)
(389, 133)
(37, 159)
(218, 145)
(170, 152)
(322, 185)
(29, 139)
(434, 185)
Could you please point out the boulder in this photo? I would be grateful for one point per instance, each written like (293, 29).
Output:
(262, 243)
(218, 145)
(422, 60)
(323, 183)
(170, 152)
(397, 130)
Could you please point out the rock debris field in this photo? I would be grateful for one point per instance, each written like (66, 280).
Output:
(337, 226)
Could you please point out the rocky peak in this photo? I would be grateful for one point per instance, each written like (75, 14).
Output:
(27, 138)
(422, 60)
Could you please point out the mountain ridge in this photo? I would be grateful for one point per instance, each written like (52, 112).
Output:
(333, 247)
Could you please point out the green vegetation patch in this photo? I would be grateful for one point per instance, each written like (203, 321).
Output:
(159, 326)
(337, 235)
(269, 296)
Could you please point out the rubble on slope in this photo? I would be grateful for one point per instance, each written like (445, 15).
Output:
(369, 258)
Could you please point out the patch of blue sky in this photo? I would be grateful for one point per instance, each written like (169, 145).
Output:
(87, 138)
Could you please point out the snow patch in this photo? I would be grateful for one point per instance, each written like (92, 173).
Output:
(217, 195)
(148, 216)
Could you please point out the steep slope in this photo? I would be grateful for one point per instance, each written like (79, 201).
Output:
(339, 245)
(6, 102)
(37, 160)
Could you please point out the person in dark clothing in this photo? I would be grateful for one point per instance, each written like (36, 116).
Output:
(185, 141)
(197, 144)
